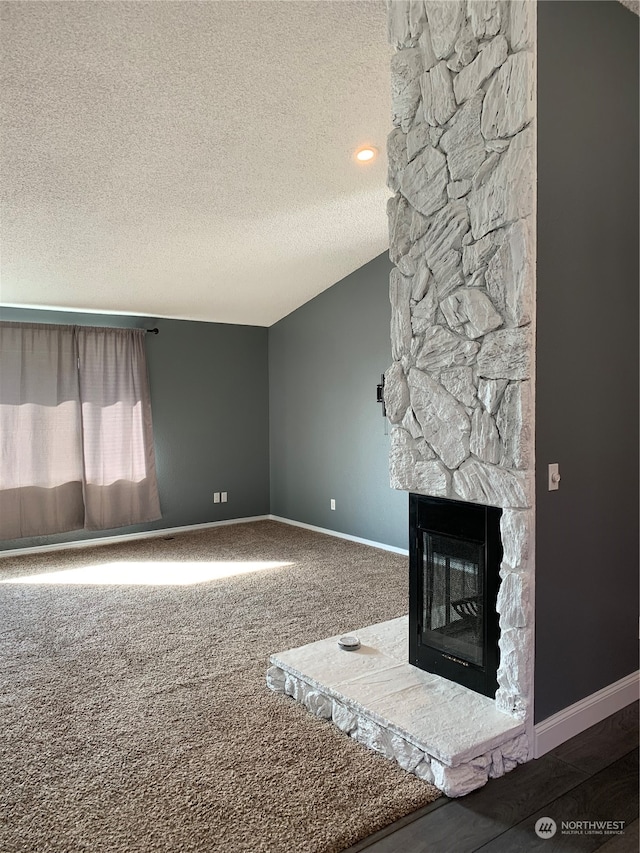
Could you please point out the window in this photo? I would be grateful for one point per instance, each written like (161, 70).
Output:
(76, 437)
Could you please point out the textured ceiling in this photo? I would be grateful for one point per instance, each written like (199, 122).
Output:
(190, 159)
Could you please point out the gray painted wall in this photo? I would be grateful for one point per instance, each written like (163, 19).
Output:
(327, 434)
(209, 395)
(587, 350)
(211, 390)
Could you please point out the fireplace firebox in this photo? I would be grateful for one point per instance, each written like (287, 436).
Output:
(455, 553)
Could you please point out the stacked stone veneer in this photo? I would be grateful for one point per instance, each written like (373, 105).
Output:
(454, 781)
(460, 390)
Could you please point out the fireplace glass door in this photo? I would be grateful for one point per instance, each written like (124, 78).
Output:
(454, 572)
(453, 597)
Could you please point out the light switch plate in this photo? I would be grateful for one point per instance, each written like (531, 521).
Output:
(554, 477)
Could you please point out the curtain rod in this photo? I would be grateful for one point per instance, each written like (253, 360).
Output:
(152, 331)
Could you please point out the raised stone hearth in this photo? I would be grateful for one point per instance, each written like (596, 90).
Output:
(438, 730)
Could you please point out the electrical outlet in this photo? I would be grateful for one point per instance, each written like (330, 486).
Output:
(223, 497)
(216, 497)
(333, 503)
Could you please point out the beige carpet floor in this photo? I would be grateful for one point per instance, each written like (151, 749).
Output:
(134, 714)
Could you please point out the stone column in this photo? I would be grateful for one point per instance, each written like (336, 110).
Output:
(460, 391)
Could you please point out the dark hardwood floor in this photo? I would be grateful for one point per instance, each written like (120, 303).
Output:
(593, 777)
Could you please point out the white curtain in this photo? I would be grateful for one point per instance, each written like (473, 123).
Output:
(119, 462)
(76, 438)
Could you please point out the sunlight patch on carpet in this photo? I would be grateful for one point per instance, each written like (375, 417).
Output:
(153, 573)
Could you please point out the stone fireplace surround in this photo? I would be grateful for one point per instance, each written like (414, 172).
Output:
(460, 391)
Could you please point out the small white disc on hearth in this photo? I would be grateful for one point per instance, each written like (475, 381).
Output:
(349, 643)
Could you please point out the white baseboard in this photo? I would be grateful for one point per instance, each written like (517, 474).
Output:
(577, 718)
(129, 537)
(169, 531)
(336, 533)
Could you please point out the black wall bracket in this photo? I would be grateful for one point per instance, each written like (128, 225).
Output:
(380, 395)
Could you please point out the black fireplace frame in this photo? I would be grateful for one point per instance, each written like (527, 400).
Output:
(470, 523)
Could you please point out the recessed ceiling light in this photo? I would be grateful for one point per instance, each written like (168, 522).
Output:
(366, 155)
